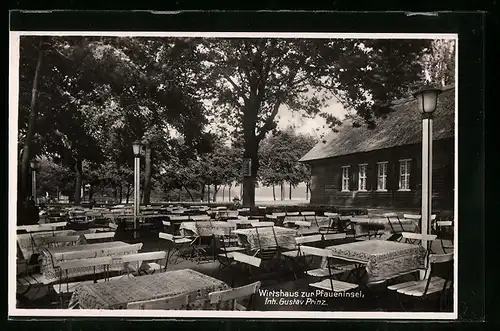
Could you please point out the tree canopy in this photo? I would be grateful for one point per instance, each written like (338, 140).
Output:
(201, 105)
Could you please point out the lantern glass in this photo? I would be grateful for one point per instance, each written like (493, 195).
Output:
(427, 99)
(136, 146)
(34, 165)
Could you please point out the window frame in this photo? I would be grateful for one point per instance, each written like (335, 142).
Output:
(345, 179)
(365, 177)
(384, 176)
(407, 174)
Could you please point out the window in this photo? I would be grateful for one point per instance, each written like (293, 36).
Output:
(345, 178)
(404, 175)
(382, 176)
(362, 177)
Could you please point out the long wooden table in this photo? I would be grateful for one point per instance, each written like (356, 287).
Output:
(117, 294)
(382, 259)
(52, 257)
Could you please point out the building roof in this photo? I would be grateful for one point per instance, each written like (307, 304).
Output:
(403, 126)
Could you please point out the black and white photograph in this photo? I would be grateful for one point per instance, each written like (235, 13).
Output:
(257, 175)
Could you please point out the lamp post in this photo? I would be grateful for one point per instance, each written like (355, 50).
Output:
(426, 104)
(136, 146)
(34, 168)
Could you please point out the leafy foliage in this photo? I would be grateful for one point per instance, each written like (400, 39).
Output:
(280, 154)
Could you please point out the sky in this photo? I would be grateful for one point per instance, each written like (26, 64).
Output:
(303, 125)
(313, 126)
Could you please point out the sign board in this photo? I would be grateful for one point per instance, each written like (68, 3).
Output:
(247, 167)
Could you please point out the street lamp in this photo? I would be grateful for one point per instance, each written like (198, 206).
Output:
(426, 103)
(136, 147)
(34, 168)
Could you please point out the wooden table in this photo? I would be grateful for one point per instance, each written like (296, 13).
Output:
(117, 294)
(366, 224)
(382, 259)
(264, 237)
(32, 243)
(52, 257)
(206, 228)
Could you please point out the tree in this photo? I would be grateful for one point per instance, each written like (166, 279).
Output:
(251, 79)
(439, 63)
(97, 95)
(281, 153)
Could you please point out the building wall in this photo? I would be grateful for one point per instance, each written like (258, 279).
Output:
(326, 181)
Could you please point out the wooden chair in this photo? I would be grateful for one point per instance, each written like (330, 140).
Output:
(444, 231)
(141, 265)
(245, 262)
(122, 250)
(257, 224)
(76, 255)
(200, 218)
(395, 232)
(234, 295)
(417, 239)
(228, 240)
(269, 253)
(296, 260)
(338, 266)
(111, 226)
(328, 284)
(175, 221)
(167, 226)
(56, 225)
(223, 248)
(334, 224)
(55, 241)
(65, 266)
(440, 281)
(99, 236)
(175, 245)
(36, 228)
(178, 302)
(307, 214)
(199, 247)
(271, 217)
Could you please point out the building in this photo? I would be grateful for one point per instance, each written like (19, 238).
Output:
(381, 167)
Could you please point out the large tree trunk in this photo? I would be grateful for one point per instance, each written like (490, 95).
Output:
(91, 192)
(229, 192)
(203, 192)
(274, 193)
(223, 192)
(290, 192)
(23, 190)
(189, 192)
(251, 152)
(216, 189)
(282, 191)
(208, 192)
(307, 190)
(78, 182)
(115, 194)
(147, 175)
(120, 193)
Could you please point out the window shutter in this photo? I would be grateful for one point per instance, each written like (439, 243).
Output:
(415, 174)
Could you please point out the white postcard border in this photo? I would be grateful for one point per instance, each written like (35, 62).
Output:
(12, 213)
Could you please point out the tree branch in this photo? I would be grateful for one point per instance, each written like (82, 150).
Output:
(236, 87)
(269, 121)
